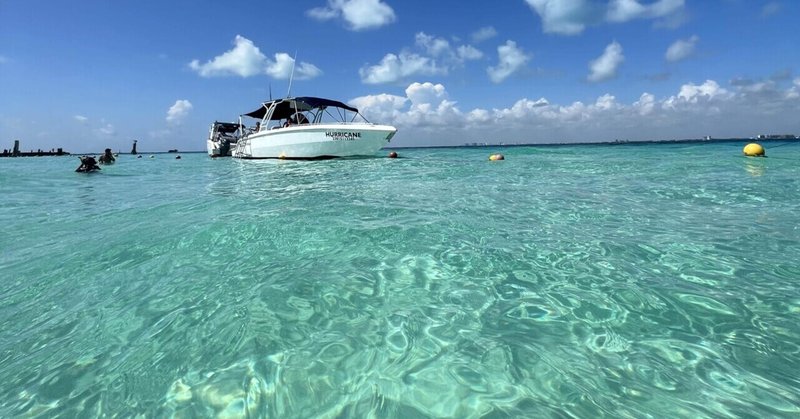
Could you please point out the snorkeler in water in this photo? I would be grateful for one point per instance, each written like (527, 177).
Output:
(107, 157)
(88, 164)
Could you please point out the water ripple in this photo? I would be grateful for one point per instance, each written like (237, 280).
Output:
(564, 282)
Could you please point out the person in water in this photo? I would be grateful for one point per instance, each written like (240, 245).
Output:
(107, 157)
(88, 164)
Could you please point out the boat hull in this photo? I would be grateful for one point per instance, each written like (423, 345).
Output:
(217, 149)
(315, 141)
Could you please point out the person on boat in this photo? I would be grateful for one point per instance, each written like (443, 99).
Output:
(107, 157)
(88, 164)
(298, 119)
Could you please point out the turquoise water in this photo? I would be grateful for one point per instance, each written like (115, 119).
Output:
(576, 281)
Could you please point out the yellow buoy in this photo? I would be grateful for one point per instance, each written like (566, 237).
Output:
(495, 157)
(754, 150)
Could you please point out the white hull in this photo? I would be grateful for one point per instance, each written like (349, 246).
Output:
(215, 149)
(314, 141)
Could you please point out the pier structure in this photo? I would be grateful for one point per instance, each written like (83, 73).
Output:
(15, 152)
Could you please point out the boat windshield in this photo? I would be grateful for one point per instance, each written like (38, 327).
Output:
(304, 110)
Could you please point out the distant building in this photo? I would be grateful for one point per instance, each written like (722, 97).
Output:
(776, 137)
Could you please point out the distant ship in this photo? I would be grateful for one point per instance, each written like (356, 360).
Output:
(174, 150)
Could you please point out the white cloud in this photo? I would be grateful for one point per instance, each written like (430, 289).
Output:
(484, 33)
(645, 105)
(179, 111)
(81, 119)
(106, 130)
(436, 57)
(422, 93)
(432, 45)
(605, 66)
(510, 60)
(281, 68)
(478, 117)
(681, 49)
(794, 91)
(440, 48)
(358, 14)
(429, 106)
(468, 52)
(3, 59)
(625, 10)
(246, 60)
(570, 17)
(383, 107)
(708, 90)
(426, 115)
(606, 102)
(393, 68)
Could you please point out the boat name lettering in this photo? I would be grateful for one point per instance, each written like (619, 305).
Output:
(343, 135)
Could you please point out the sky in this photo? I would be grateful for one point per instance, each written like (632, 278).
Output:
(90, 74)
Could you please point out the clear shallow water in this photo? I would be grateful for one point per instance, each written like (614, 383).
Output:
(621, 281)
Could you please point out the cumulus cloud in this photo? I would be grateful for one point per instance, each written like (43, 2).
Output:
(81, 119)
(510, 60)
(625, 10)
(281, 68)
(484, 33)
(440, 48)
(393, 68)
(570, 17)
(645, 105)
(178, 111)
(106, 130)
(427, 115)
(436, 57)
(565, 17)
(468, 52)
(605, 66)
(681, 49)
(432, 45)
(245, 59)
(794, 91)
(383, 107)
(708, 90)
(358, 15)
(429, 106)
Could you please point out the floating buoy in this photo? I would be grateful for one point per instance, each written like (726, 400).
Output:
(393, 155)
(178, 157)
(754, 150)
(152, 156)
(495, 157)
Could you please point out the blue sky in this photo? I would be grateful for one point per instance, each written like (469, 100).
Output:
(93, 74)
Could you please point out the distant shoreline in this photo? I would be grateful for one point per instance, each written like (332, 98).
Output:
(609, 143)
(476, 145)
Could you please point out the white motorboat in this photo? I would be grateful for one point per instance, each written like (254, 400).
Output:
(307, 128)
(222, 138)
